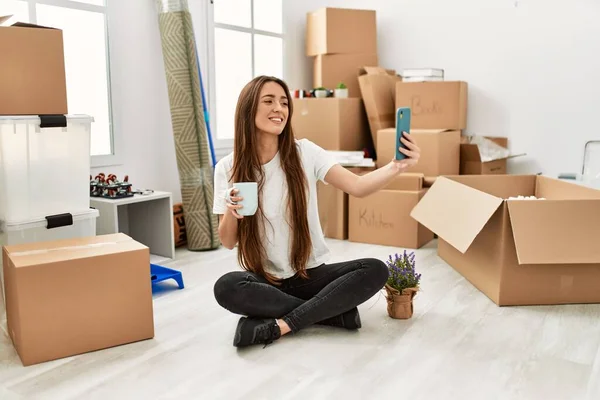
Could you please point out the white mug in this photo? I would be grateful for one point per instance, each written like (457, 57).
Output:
(249, 193)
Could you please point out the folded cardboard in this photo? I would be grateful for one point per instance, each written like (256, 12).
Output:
(333, 208)
(518, 252)
(378, 91)
(74, 296)
(434, 105)
(440, 150)
(32, 70)
(383, 218)
(332, 69)
(341, 30)
(471, 162)
(333, 124)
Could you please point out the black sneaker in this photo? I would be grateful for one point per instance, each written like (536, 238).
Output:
(349, 320)
(256, 331)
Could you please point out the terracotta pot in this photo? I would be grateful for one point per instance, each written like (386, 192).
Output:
(400, 305)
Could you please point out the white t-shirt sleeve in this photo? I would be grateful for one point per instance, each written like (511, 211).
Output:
(221, 184)
(321, 159)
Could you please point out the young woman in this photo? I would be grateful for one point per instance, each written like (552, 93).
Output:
(287, 283)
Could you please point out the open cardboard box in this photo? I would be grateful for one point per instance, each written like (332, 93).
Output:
(471, 162)
(378, 90)
(518, 252)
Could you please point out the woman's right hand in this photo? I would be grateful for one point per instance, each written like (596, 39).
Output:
(234, 207)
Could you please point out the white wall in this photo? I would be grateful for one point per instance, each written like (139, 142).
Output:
(530, 79)
(140, 99)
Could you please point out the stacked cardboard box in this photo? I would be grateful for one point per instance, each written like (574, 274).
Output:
(32, 71)
(438, 115)
(341, 41)
(384, 217)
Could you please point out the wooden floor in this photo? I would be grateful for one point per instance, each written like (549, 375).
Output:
(459, 345)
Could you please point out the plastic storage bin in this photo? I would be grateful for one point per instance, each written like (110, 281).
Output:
(43, 170)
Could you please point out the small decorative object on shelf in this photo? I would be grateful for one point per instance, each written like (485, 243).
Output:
(110, 187)
(402, 285)
(341, 91)
(321, 92)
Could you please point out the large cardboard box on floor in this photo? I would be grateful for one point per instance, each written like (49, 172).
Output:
(518, 252)
(332, 69)
(434, 105)
(333, 124)
(32, 69)
(440, 150)
(74, 296)
(333, 207)
(384, 217)
(341, 30)
(378, 91)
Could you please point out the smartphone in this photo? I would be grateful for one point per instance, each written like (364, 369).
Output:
(402, 125)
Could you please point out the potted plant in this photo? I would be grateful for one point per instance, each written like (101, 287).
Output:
(341, 90)
(402, 285)
(320, 92)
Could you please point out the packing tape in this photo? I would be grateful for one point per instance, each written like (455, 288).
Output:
(68, 248)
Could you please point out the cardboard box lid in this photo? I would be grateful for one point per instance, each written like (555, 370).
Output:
(7, 21)
(30, 254)
(407, 181)
(455, 212)
(544, 231)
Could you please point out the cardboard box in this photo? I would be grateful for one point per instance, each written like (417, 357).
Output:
(434, 105)
(440, 150)
(518, 252)
(378, 90)
(333, 208)
(333, 124)
(383, 218)
(341, 30)
(74, 296)
(331, 69)
(472, 164)
(32, 70)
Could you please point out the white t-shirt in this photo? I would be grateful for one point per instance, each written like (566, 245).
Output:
(316, 163)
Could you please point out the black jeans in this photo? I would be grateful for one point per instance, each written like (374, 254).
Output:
(330, 290)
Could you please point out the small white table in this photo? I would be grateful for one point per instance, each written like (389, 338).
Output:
(147, 218)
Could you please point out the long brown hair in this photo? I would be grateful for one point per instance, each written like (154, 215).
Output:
(247, 168)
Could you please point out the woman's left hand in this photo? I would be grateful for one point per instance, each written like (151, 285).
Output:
(412, 152)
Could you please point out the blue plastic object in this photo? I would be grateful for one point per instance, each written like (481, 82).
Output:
(159, 273)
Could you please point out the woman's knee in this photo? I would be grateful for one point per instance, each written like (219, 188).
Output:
(226, 288)
(377, 271)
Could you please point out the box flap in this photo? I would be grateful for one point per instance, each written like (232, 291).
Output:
(11, 21)
(469, 152)
(556, 231)
(375, 71)
(6, 20)
(455, 212)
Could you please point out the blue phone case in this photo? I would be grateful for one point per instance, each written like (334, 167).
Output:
(402, 125)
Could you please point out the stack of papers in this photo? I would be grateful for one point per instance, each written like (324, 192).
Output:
(352, 158)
